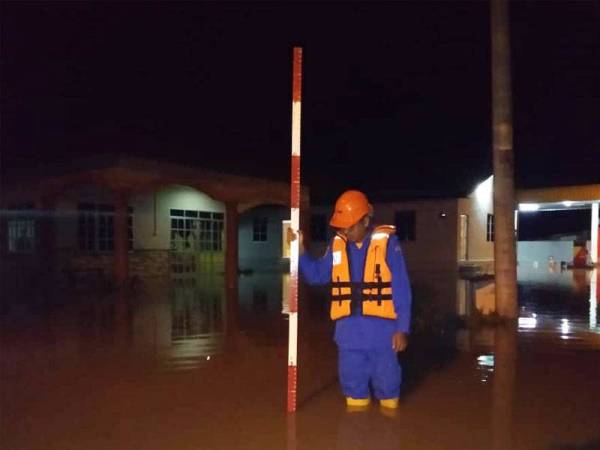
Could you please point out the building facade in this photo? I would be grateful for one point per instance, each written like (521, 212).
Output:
(128, 219)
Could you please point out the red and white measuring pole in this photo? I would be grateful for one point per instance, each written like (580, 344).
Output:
(295, 225)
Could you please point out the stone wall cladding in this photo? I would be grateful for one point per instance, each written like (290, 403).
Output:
(143, 264)
(149, 264)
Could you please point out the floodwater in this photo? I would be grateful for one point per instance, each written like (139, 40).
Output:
(173, 367)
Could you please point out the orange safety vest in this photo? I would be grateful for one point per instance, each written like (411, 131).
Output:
(372, 296)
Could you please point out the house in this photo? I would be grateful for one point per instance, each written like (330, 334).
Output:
(439, 237)
(116, 219)
(124, 218)
(261, 232)
(448, 243)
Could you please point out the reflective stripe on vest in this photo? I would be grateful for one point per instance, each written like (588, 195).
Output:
(372, 296)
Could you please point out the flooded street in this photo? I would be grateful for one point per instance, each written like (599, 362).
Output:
(173, 367)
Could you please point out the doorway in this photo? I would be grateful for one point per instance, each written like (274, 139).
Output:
(463, 238)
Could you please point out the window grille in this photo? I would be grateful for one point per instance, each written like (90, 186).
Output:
(489, 234)
(21, 228)
(96, 227)
(405, 222)
(259, 229)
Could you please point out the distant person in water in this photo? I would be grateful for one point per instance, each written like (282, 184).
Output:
(370, 300)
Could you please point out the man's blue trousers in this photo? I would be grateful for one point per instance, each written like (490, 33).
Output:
(379, 367)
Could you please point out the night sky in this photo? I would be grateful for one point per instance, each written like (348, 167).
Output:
(396, 95)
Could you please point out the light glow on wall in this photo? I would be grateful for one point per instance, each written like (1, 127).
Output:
(528, 207)
(483, 191)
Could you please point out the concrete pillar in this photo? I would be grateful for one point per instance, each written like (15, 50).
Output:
(3, 228)
(231, 265)
(46, 243)
(594, 247)
(47, 236)
(121, 239)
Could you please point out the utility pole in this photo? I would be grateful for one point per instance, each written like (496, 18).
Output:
(505, 260)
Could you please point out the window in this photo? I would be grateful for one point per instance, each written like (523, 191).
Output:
(405, 222)
(197, 230)
(21, 228)
(105, 219)
(318, 227)
(259, 229)
(489, 234)
(21, 235)
(96, 227)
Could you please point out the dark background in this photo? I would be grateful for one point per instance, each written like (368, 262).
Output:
(547, 225)
(396, 95)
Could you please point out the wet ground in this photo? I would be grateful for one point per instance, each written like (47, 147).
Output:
(171, 367)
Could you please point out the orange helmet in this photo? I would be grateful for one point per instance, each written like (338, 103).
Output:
(350, 207)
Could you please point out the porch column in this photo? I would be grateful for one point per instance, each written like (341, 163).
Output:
(121, 239)
(594, 250)
(3, 231)
(231, 264)
(47, 239)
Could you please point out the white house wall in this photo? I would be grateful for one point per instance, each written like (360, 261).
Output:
(477, 207)
(538, 253)
(435, 241)
(146, 236)
(264, 255)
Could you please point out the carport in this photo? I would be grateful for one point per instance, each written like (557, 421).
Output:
(564, 198)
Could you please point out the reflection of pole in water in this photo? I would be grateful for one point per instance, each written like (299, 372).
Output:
(594, 285)
(291, 436)
(503, 388)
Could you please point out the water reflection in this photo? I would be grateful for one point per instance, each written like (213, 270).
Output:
(564, 328)
(566, 292)
(485, 367)
(184, 326)
(559, 308)
(260, 303)
(503, 386)
(186, 323)
(197, 321)
(180, 325)
(528, 323)
(594, 287)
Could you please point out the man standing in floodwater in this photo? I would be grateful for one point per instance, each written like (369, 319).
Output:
(370, 301)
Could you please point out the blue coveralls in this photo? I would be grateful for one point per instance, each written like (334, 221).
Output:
(365, 352)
